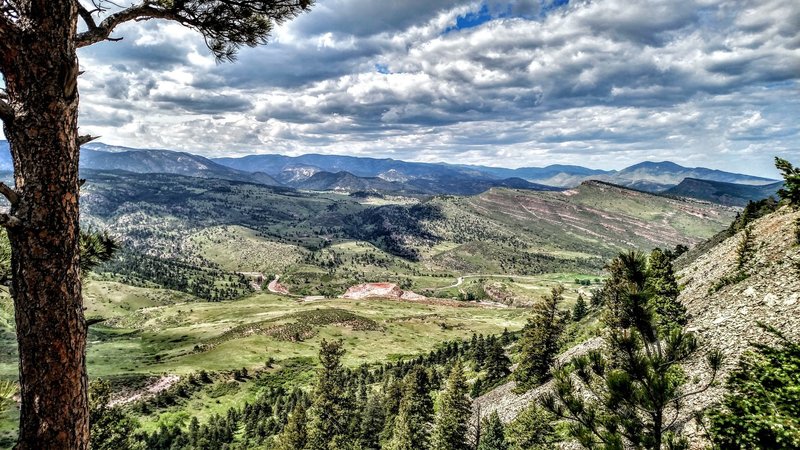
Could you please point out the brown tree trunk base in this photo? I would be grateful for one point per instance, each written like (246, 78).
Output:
(46, 279)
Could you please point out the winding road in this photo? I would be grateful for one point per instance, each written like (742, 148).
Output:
(277, 288)
(460, 280)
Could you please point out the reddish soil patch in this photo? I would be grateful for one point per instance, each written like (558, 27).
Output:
(276, 287)
(374, 290)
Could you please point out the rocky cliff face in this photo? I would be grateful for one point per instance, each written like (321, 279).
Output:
(725, 318)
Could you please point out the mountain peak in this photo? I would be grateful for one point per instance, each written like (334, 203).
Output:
(661, 166)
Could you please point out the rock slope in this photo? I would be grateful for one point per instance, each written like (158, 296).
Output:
(725, 318)
(728, 318)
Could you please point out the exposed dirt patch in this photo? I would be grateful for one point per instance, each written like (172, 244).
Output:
(374, 290)
(276, 287)
(151, 390)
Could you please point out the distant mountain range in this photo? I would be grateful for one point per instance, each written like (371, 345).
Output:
(646, 176)
(165, 161)
(98, 156)
(660, 176)
(350, 173)
(729, 194)
(553, 175)
(390, 176)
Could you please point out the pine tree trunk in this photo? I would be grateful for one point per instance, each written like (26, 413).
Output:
(657, 429)
(46, 286)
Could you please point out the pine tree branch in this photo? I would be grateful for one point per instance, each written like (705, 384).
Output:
(699, 390)
(103, 30)
(225, 25)
(85, 139)
(86, 15)
(6, 111)
(7, 11)
(94, 321)
(9, 221)
(676, 414)
(9, 193)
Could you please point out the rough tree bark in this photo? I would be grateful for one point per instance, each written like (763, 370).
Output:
(41, 89)
(39, 111)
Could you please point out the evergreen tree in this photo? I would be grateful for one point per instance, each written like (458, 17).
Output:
(624, 293)
(638, 387)
(477, 388)
(479, 352)
(540, 341)
(531, 430)
(412, 424)
(492, 437)
(745, 249)
(294, 434)
(372, 423)
(329, 416)
(453, 412)
(111, 428)
(194, 430)
(580, 310)
(668, 310)
(790, 192)
(497, 363)
(762, 406)
(597, 298)
(505, 338)
(392, 394)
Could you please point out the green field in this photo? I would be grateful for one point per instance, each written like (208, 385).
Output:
(150, 332)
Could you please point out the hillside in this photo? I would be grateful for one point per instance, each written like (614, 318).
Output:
(328, 242)
(594, 220)
(727, 318)
(724, 318)
(731, 194)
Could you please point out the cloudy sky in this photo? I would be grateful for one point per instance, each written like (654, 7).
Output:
(602, 83)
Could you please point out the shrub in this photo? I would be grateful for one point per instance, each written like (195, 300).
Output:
(762, 407)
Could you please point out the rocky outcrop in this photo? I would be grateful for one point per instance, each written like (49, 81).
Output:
(509, 404)
(374, 290)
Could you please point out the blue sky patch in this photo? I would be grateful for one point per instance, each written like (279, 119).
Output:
(512, 9)
(473, 19)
